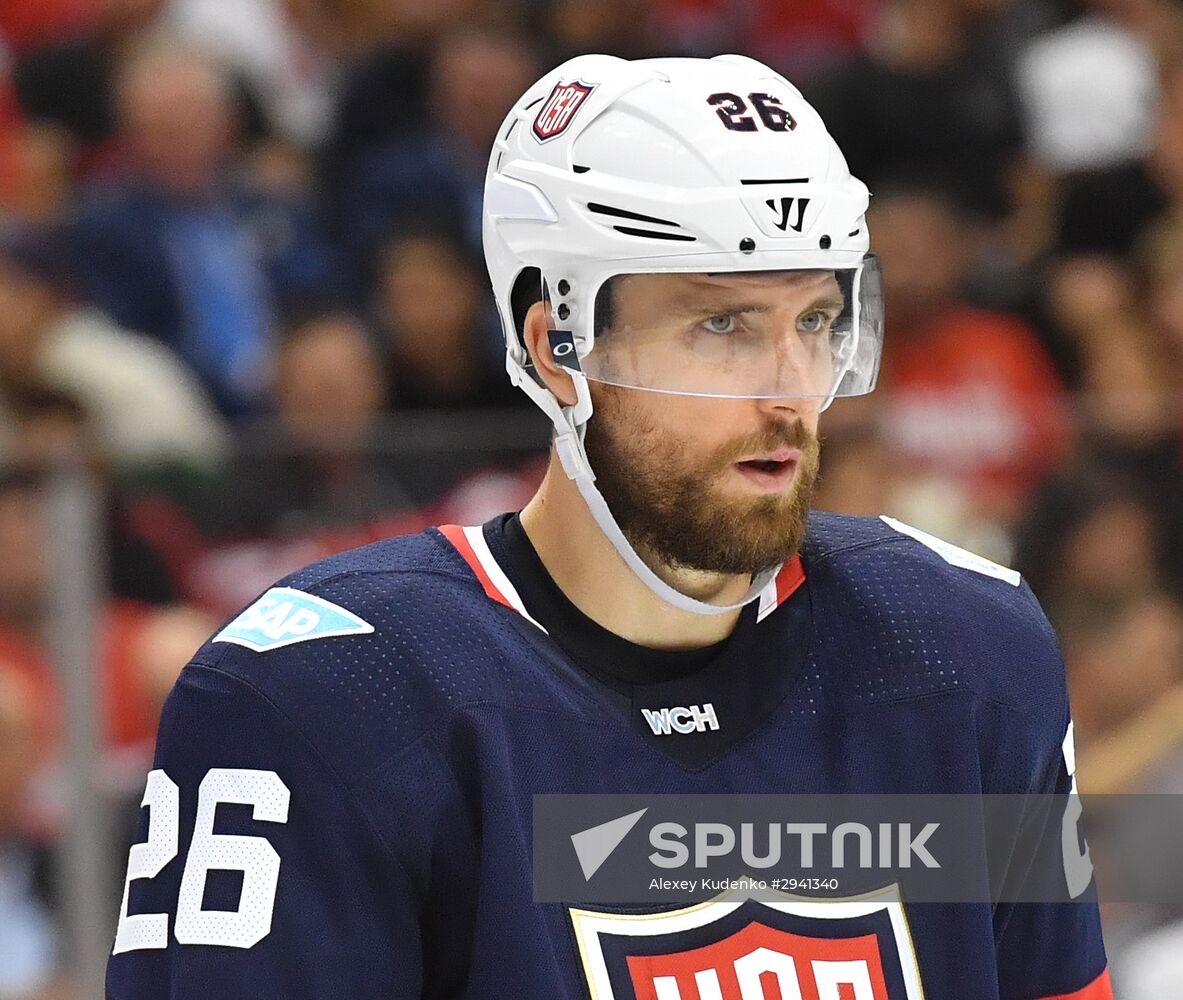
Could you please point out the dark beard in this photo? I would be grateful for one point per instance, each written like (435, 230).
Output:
(669, 511)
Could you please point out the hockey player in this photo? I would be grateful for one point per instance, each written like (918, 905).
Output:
(342, 797)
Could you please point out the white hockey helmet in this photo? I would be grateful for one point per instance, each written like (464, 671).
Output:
(607, 168)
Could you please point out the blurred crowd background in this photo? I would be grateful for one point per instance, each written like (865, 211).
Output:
(241, 274)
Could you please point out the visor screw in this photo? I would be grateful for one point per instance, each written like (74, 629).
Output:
(564, 286)
(564, 311)
(825, 242)
(747, 245)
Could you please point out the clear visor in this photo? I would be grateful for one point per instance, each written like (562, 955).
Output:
(768, 334)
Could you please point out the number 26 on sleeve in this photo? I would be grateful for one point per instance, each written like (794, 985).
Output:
(253, 856)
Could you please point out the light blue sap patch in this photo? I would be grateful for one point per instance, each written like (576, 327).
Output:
(283, 616)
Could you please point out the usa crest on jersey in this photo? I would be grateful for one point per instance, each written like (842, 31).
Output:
(735, 947)
(559, 109)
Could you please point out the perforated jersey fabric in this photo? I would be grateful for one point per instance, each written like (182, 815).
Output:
(412, 753)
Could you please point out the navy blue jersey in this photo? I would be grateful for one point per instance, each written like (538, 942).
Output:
(342, 795)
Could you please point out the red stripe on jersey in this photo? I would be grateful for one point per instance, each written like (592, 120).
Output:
(454, 533)
(1099, 989)
(790, 577)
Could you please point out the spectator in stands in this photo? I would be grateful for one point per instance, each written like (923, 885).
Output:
(1109, 211)
(282, 51)
(1129, 365)
(146, 405)
(327, 387)
(319, 465)
(930, 100)
(36, 173)
(385, 85)
(1122, 659)
(1110, 558)
(133, 659)
(181, 247)
(432, 311)
(1093, 553)
(801, 39)
(1124, 333)
(970, 397)
(440, 167)
(167, 638)
(1090, 87)
(142, 649)
(69, 83)
(147, 539)
(1129, 403)
(1091, 539)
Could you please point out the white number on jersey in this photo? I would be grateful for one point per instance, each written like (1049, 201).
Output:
(1078, 864)
(163, 799)
(253, 856)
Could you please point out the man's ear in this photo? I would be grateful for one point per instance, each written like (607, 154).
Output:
(534, 333)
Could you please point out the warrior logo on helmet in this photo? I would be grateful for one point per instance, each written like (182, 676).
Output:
(558, 110)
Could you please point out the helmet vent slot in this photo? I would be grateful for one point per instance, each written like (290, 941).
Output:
(655, 234)
(624, 213)
(774, 180)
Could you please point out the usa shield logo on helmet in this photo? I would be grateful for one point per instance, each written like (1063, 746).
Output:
(558, 110)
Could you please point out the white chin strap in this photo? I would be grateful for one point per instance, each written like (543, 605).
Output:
(570, 423)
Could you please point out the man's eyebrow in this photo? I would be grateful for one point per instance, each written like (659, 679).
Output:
(717, 304)
(829, 303)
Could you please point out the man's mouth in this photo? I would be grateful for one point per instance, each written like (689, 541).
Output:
(773, 470)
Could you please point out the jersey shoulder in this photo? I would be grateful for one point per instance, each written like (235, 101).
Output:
(367, 650)
(917, 615)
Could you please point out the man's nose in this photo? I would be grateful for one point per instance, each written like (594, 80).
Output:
(796, 383)
(793, 404)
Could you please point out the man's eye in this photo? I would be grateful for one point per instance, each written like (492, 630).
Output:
(720, 324)
(813, 322)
